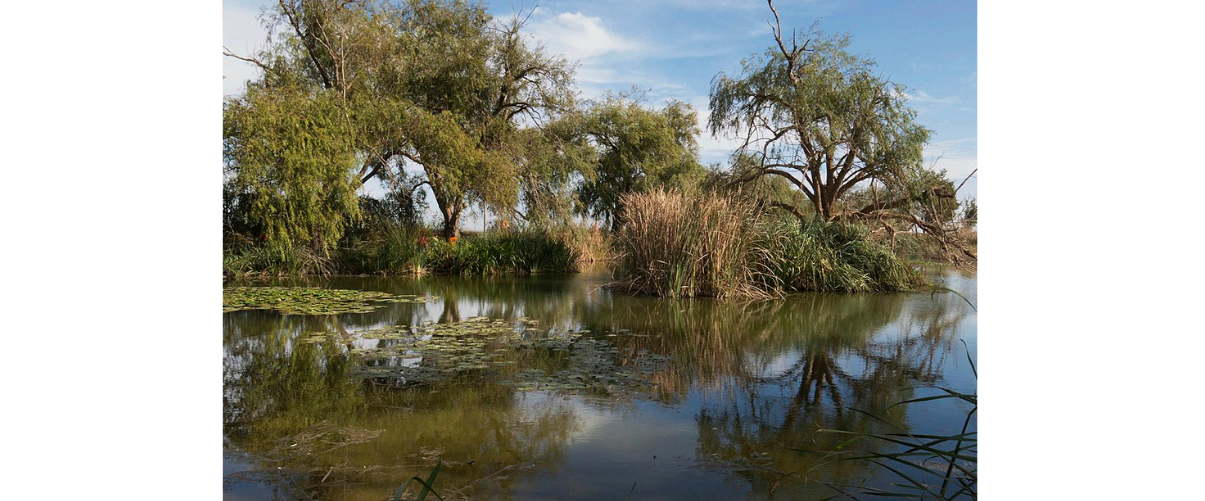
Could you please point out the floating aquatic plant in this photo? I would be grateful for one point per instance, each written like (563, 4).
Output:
(311, 300)
(513, 353)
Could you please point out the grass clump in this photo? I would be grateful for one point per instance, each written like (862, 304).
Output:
(836, 257)
(500, 253)
(245, 261)
(396, 250)
(679, 244)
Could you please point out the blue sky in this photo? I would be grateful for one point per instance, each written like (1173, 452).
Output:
(673, 48)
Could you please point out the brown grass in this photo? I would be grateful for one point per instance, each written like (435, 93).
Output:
(691, 244)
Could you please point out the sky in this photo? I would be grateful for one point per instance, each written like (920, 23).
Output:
(672, 49)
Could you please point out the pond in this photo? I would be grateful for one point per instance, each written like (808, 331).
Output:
(552, 387)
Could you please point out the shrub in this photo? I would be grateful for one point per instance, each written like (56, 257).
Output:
(495, 253)
(838, 257)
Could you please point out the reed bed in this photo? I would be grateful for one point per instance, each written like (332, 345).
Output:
(679, 244)
(692, 244)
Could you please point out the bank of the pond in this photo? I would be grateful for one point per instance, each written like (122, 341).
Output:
(414, 251)
(673, 245)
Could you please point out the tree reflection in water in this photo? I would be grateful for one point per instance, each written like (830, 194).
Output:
(292, 409)
(769, 375)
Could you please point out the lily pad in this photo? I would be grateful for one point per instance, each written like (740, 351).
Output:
(310, 300)
(506, 352)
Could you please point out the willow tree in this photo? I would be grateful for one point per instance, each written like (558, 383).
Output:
(293, 152)
(819, 117)
(434, 84)
(487, 85)
(638, 149)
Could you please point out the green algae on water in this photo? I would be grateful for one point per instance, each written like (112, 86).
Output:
(510, 353)
(311, 300)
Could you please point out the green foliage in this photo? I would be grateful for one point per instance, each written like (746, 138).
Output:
(820, 118)
(970, 212)
(481, 79)
(289, 155)
(552, 160)
(935, 202)
(838, 257)
(744, 180)
(519, 252)
(426, 484)
(390, 250)
(433, 83)
(706, 244)
(251, 259)
(638, 150)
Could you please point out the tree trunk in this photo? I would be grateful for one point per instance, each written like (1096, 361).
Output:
(451, 213)
(450, 207)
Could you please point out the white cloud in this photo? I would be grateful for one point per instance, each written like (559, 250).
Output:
(578, 37)
(243, 35)
(920, 96)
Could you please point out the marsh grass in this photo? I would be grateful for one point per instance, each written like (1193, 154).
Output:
(501, 253)
(402, 250)
(680, 245)
(426, 486)
(836, 257)
(690, 244)
(263, 261)
(393, 251)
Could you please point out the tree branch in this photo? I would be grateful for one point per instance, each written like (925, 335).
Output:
(226, 52)
(964, 181)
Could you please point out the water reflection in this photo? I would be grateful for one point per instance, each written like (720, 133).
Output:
(744, 384)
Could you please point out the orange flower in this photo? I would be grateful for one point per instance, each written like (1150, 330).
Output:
(452, 240)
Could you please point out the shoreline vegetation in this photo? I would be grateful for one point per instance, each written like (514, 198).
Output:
(453, 110)
(679, 244)
(396, 250)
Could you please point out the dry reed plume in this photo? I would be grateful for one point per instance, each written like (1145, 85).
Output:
(687, 245)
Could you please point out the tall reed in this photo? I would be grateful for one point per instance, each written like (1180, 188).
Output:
(679, 244)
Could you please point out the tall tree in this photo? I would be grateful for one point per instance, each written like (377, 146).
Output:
(436, 84)
(638, 149)
(819, 117)
(292, 159)
(489, 84)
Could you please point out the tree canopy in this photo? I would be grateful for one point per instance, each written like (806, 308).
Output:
(293, 152)
(436, 84)
(637, 149)
(819, 117)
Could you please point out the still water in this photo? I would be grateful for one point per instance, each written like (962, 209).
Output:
(552, 387)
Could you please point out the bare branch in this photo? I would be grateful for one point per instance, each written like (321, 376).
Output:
(226, 52)
(964, 181)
